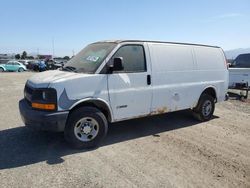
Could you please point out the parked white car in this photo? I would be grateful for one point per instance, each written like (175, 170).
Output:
(239, 72)
(112, 81)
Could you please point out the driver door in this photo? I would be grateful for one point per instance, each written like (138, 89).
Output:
(130, 89)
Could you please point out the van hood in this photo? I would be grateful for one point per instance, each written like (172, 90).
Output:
(43, 79)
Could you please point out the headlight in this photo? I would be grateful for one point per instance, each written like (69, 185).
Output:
(45, 99)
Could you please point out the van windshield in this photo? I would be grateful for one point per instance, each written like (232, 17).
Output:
(90, 58)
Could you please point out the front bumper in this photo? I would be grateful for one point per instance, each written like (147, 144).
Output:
(42, 120)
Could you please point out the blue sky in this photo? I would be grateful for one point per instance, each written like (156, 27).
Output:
(32, 25)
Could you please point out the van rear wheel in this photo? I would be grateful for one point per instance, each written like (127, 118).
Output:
(85, 128)
(205, 108)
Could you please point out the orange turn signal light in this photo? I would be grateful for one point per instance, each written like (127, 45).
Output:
(44, 106)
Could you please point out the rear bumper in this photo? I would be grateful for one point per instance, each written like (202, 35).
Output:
(41, 120)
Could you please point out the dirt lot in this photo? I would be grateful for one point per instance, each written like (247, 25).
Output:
(171, 150)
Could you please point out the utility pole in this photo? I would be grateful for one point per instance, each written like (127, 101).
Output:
(53, 48)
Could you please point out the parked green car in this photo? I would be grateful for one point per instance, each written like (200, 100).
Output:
(12, 66)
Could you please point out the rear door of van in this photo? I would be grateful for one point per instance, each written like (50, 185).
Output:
(130, 89)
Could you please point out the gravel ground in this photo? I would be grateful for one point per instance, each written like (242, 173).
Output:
(171, 150)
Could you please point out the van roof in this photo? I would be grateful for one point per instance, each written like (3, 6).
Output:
(121, 41)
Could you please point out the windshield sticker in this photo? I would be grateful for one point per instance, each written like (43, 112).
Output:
(92, 58)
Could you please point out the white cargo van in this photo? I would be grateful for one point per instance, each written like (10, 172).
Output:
(112, 81)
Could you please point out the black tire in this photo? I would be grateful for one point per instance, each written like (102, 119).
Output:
(20, 70)
(72, 124)
(1, 70)
(205, 108)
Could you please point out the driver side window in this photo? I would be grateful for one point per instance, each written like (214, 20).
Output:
(133, 58)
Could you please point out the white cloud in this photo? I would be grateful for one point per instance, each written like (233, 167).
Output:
(223, 17)
(231, 15)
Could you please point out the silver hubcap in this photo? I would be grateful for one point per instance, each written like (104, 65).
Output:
(86, 129)
(207, 108)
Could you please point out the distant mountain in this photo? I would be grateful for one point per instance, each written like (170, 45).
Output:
(232, 54)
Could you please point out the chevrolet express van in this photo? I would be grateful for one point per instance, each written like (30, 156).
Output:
(111, 81)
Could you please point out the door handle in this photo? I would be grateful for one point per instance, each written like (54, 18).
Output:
(148, 79)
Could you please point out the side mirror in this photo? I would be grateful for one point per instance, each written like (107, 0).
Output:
(117, 64)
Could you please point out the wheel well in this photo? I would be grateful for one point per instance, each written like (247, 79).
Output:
(97, 104)
(210, 91)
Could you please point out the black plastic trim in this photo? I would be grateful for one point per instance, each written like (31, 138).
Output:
(42, 120)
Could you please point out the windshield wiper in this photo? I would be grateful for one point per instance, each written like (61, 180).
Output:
(69, 68)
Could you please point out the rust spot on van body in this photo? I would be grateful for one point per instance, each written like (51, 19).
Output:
(162, 110)
(156, 112)
(159, 111)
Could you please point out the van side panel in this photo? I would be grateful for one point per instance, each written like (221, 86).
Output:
(172, 77)
(180, 73)
(212, 70)
(209, 58)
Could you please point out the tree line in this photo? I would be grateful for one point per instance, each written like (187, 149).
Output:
(25, 56)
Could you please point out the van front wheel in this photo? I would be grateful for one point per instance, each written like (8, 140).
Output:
(205, 108)
(86, 127)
